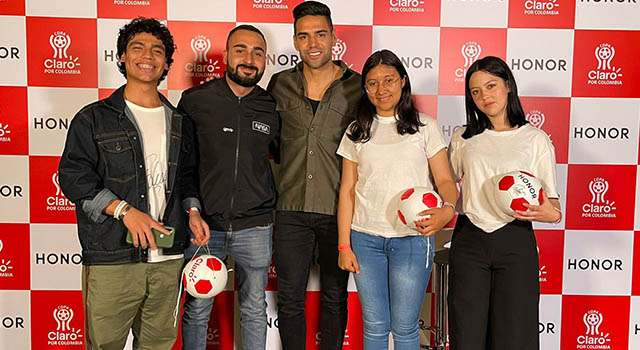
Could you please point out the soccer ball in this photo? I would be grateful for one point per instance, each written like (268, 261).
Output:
(204, 276)
(515, 188)
(415, 200)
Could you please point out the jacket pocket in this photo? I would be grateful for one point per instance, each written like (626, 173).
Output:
(118, 158)
(343, 114)
(294, 119)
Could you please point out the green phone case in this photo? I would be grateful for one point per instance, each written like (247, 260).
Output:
(162, 240)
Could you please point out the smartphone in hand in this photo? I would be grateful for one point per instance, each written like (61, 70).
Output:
(162, 240)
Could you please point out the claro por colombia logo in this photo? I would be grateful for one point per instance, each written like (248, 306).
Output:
(606, 73)
(470, 50)
(599, 207)
(202, 66)
(593, 338)
(536, 118)
(58, 202)
(64, 334)
(406, 6)
(270, 4)
(61, 62)
(535, 7)
(5, 133)
(5, 265)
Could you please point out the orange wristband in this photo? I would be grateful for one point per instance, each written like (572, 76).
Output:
(344, 247)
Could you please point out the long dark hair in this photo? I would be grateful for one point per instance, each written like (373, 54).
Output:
(408, 117)
(477, 121)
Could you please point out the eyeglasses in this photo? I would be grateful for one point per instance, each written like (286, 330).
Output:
(372, 85)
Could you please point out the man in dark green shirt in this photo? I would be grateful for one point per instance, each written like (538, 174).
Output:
(317, 100)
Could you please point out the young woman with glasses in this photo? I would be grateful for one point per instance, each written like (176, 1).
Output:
(389, 148)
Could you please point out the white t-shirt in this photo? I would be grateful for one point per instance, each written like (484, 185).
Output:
(477, 159)
(389, 164)
(153, 133)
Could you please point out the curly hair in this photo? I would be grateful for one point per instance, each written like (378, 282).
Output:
(145, 25)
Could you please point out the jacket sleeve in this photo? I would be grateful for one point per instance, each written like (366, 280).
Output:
(274, 144)
(189, 178)
(77, 172)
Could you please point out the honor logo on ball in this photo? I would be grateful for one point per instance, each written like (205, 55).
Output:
(599, 207)
(606, 73)
(202, 66)
(64, 334)
(61, 62)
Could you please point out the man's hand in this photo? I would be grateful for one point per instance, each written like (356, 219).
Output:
(199, 228)
(140, 225)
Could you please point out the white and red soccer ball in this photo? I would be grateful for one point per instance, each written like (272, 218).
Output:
(515, 188)
(204, 276)
(415, 200)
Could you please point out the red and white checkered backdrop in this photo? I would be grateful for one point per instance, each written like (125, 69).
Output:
(576, 63)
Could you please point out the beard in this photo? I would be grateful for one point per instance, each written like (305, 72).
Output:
(232, 73)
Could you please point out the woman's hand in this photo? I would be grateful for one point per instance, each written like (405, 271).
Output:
(545, 212)
(439, 218)
(347, 261)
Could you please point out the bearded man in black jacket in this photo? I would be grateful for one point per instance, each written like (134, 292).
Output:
(237, 127)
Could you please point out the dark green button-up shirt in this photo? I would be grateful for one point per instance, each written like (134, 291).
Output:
(310, 169)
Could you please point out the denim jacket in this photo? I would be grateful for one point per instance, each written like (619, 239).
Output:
(103, 161)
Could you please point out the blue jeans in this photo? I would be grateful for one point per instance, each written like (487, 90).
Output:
(393, 278)
(251, 250)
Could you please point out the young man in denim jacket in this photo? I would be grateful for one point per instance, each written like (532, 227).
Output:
(122, 163)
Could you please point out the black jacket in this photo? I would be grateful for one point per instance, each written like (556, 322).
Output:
(103, 160)
(234, 139)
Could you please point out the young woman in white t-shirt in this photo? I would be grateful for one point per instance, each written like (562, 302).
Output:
(386, 150)
(493, 277)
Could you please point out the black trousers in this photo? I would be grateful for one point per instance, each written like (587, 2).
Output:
(493, 287)
(295, 237)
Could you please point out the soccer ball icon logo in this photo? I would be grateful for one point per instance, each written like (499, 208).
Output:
(604, 55)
